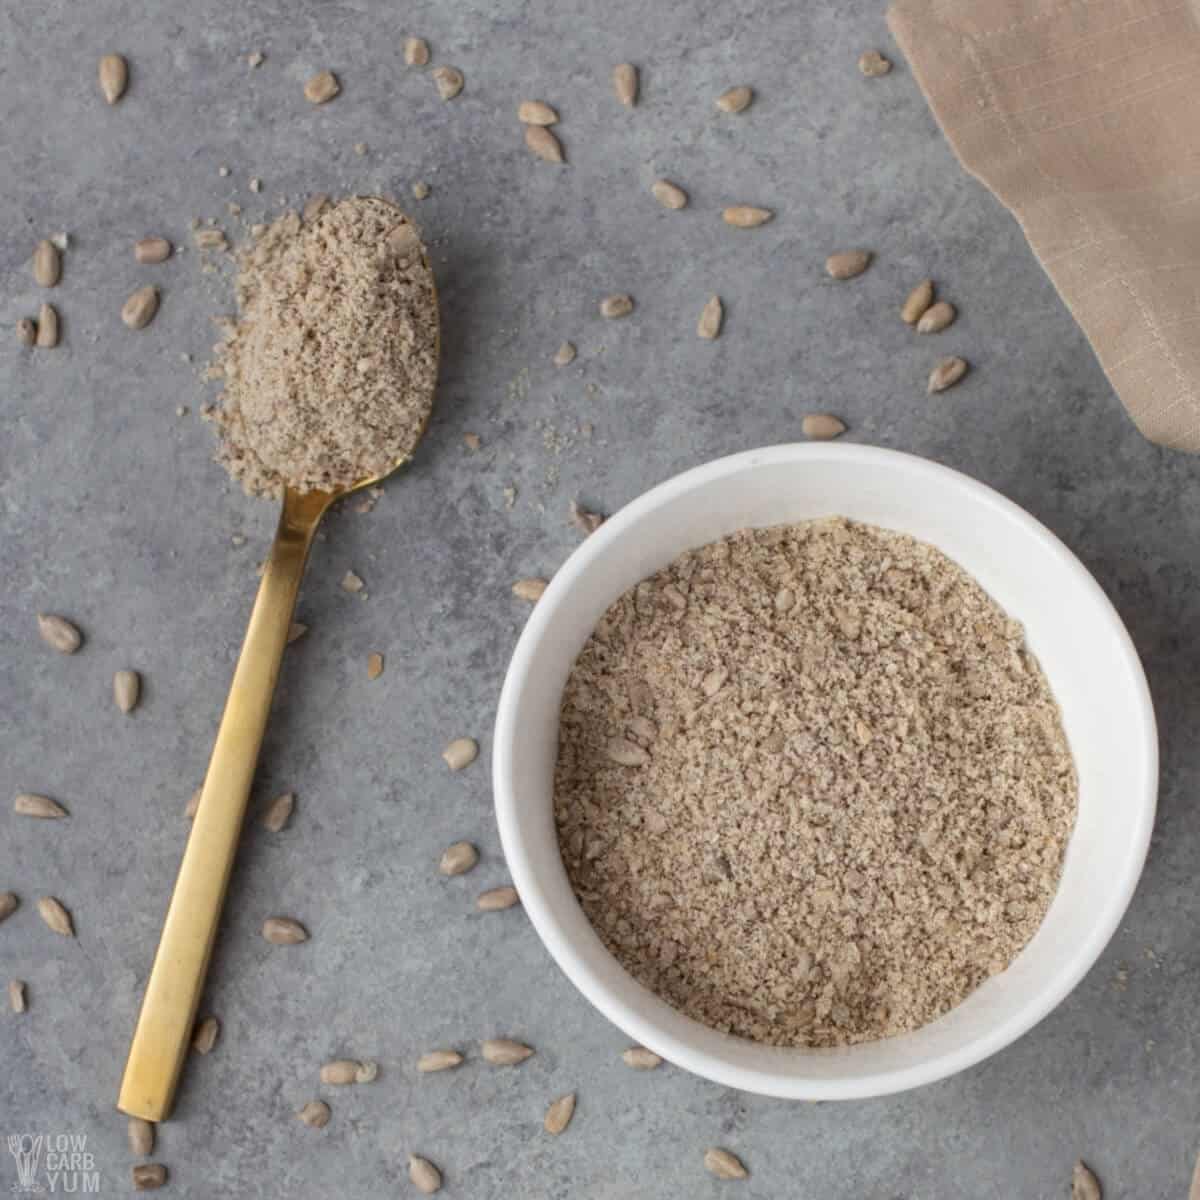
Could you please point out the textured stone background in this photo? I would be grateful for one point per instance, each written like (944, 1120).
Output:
(113, 514)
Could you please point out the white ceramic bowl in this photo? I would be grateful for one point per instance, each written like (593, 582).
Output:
(1072, 628)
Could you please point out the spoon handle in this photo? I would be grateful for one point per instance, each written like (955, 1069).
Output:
(164, 1028)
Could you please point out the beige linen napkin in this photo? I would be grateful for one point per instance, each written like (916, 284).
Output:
(1083, 116)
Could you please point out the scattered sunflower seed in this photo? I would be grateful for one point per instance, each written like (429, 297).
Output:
(426, 1178)
(564, 355)
(626, 753)
(38, 806)
(27, 331)
(543, 143)
(711, 316)
(416, 51)
(559, 1114)
(846, 264)
(340, 1072)
(746, 216)
(193, 804)
(668, 194)
(625, 83)
(16, 995)
(322, 88)
(351, 582)
(937, 317)
(138, 311)
(148, 1176)
(277, 814)
(584, 519)
(641, 1059)
(529, 589)
(314, 206)
(151, 250)
(438, 1060)
(536, 112)
(946, 374)
(205, 1037)
(498, 899)
(283, 931)
(47, 264)
(619, 305)
(114, 77)
(873, 64)
(55, 916)
(47, 327)
(59, 633)
(504, 1052)
(8, 905)
(458, 859)
(374, 665)
(127, 687)
(449, 82)
(1084, 1184)
(141, 1137)
(917, 302)
(461, 752)
(736, 99)
(296, 631)
(315, 1114)
(822, 427)
(723, 1164)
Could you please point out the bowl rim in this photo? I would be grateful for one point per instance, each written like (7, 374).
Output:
(615, 1007)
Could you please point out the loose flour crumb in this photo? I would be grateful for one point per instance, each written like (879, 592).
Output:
(330, 369)
(812, 788)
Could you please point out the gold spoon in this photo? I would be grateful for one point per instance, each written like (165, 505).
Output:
(164, 1028)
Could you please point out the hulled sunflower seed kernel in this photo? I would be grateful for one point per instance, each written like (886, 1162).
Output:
(529, 589)
(416, 51)
(626, 753)
(113, 73)
(206, 1034)
(559, 1114)
(723, 1164)
(127, 687)
(16, 995)
(47, 327)
(138, 311)
(1084, 1184)
(458, 859)
(564, 355)
(420, 190)
(148, 1176)
(283, 931)
(946, 374)
(322, 88)
(59, 633)
(438, 1060)
(937, 317)
(847, 264)
(152, 250)
(746, 216)
(625, 83)
(668, 194)
(425, 1177)
(352, 582)
(56, 916)
(735, 99)
(9, 903)
(374, 665)
(315, 1114)
(460, 753)
(504, 1052)
(536, 112)
(873, 64)
(616, 306)
(544, 144)
(711, 317)
(497, 899)
(278, 812)
(448, 81)
(822, 427)
(917, 302)
(640, 1059)
(140, 1133)
(27, 331)
(27, 805)
(340, 1072)
(47, 264)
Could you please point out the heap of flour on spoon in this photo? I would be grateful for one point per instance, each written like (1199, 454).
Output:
(330, 367)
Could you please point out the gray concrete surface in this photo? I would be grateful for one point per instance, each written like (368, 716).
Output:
(114, 514)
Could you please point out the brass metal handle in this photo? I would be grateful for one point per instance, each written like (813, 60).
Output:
(164, 1028)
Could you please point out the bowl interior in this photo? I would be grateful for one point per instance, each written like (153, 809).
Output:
(1071, 627)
